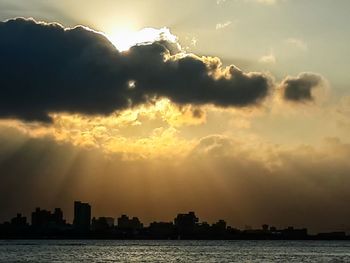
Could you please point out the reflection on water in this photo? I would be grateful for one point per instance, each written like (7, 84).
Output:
(173, 251)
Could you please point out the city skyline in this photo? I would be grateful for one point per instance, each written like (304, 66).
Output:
(235, 109)
(52, 225)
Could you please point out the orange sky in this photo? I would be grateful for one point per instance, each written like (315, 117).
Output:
(280, 157)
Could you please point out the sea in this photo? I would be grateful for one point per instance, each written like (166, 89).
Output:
(172, 251)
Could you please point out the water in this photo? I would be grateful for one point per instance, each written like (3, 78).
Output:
(173, 251)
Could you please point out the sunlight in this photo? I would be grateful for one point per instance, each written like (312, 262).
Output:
(125, 38)
(148, 131)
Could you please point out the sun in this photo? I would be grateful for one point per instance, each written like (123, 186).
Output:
(124, 38)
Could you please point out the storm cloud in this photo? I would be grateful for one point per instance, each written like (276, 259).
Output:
(300, 88)
(46, 68)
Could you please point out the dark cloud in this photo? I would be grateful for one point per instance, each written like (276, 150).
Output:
(299, 89)
(46, 68)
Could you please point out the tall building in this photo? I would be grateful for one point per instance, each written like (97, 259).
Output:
(82, 216)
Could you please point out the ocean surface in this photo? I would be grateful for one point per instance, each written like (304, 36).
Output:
(173, 251)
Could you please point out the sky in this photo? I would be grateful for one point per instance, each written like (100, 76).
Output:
(234, 109)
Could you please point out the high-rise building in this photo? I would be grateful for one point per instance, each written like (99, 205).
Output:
(82, 216)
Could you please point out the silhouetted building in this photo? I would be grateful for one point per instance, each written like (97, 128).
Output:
(19, 220)
(203, 230)
(185, 224)
(292, 233)
(48, 225)
(189, 219)
(57, 217)
(219, 228)
(102, 224)
(265, 227)
(220, 225)
(43, 220)
(82, 216)
(125, 223)
(110, 221)
(40, 218)
(162, 230)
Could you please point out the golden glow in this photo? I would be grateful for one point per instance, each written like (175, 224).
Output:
(147, 131)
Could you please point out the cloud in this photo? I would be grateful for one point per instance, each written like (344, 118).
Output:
(299, 43)
(242, 181)
(341, 114)
(223, 25)
(144, 132)
(268, 59)
(47, 68)
(220, 1)
(283, 184)
(302, 87)
(267, 2)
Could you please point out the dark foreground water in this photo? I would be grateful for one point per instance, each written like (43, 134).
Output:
(173, 251)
